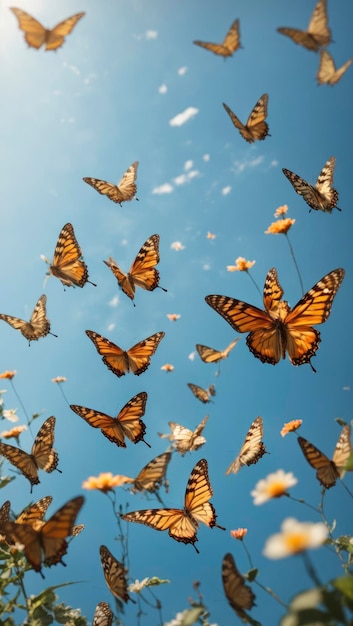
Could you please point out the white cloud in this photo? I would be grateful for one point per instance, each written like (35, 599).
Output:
(274, 163)
(151, 34)
(206, 266)
(111, 327)
(114, 301)
(206, 158)
(165, 188)
(73, 68)
(185, 178)
(182, 70)
(192, 356)
(177, 245)
(163, 89)
(188, 165)
(183, 117)
(226, 190)
(240, 166)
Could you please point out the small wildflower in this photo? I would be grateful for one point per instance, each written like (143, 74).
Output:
(295, 537)
(14, 432)
(290, 427)
(211, 235)
(239, 533)
(59, 379)
(106, 481)
(282, 210)
(281, 227)
(241, 265)
(273, 486)
(167, 367)
(173, 317)
(177, 245)
(137, 586)
(10, 414)
(8, 375)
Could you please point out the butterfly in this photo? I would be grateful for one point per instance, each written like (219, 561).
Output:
(252, 449)
(255, 129)
(114, 574)
(42, 456)
(135, 360)
(327, 73)
(322, 196)
(47, 544)
(210, 355)
(328, 471)
(38, 326)
(4, 517)
(182, 524)
(127, 423)
(142, 272)
(318, 33)
(67, 263)
(122, 192)
(279, 329)
(186, 440)
(153, 475)
(204, 395)
(230, 44)
(239, 595)
(37, 35)
(102, 615)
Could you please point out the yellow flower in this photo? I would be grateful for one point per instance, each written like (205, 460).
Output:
(210, 235)
(173, 317)
(282, 210)
(106, 481)
(274, 485)
(167, 367)
(241, 265)
(295, 538)
(239, 533)
(289, 427)
(14, 432)
(281, 227)
(59, 379)
(8, 374)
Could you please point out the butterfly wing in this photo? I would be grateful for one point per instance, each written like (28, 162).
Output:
(34, 513)
(318, 33)
(328, 196)
(4, 517)
(239, 595)
(124, 191)
(256, 125)
(310, 194)
(102, 615)
(210, 355)
(45, 457)
(153, 475)
(252, 449)
(343, 449)
(114, 574)
(230, 44)
(34, 32)
(327, 73)
(55, 38)
(22, 460)
(201, 394)
(197, 496)
(67, 264)
(187, 440)
(139, 355)
(326, 470)
(125, 281)
(38, 326)
(180, 527)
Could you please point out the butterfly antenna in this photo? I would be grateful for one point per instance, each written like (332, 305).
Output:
(163, 289)
(52, 334)
(147, 444)
(312, 367)
(90, 282)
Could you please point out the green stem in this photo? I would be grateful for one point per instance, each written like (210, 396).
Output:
(22, 406)
(63, 394)
(310, 569)
(295, 263)
(272, 594)
(254, 282)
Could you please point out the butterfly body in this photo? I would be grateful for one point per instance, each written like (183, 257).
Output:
(230, 44)
(37, 327)
(37, 35)
(322, 196)
(124, 191)
(318, 33)
(239, 595)
(68, 265)
(252, 449)
(114, 574)
(327, 470)
(255, 129)
(327, 72)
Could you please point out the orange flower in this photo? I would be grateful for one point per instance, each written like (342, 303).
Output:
(282, 210)
(59, 379)
(281, 227)
(106, 481)
(290, 427)
(241, 265)
(8, 374)
(173, 317)
(211, 235)
(14, 432)
(239, 533)
(167, 367)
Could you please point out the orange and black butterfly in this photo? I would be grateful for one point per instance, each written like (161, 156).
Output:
(46, 544)
(210, 355)
(38, 326)
(114, 574)
(42, 456)
(68, 264)
(184, 439)
(239, 595)
(204, 395)
(142, 272)
(153, 475)
(255, 129)
(252, 449)
(103, 616)
(320, 197)
(279, 329)
(127, 423)
(182, 524)
(327, 73)
(135, 360)
(122, 192)
(37, 35)
(230, 44)
(328, 471)
(318, 33)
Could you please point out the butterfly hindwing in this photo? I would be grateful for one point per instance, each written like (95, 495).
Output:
(239, 595)
(38, 326)
(124, 191)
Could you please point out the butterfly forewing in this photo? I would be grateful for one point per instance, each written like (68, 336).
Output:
(34, 513)
(230, 44)
(36, 35)
(326, 470)
(103, 616)
(343, 449)
(239, 595)
(38, 326)
(124, 191)
(67, 264)
(252, 449)
(255, 128)
(114, 574)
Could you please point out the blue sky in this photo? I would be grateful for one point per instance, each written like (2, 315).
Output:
(104, 100)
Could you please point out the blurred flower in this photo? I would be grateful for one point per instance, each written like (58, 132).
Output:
(281, 227)
(239, 533)
(173, 317)
(106, 481)
(177, 245)
(167, 367)
(8, 374)
(10, 414)
(191, 356)
(273, 486)
(241, 265)
(291, 426)
(295, 537)
(137, 586)
(211, 235)
(282, 210)
(59, 379)
(14, 432)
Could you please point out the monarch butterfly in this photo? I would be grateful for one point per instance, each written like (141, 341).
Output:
(230, 44)
(186, 440)
(279, 329)
(142, 272)
(327, 73)
(153, 476)
(67, 263)
(114, 574)
(210, 355)
(252, 449)
(42, 456)
(127, 423)
(182, 524)
(255, 129)
(38, 326)
(239, 595)
(135, 360)
(204, 395)
(322, 196)
(328, 471)
(318, 33)
(102, 615)
(124, 191)
(50, 539)
(36, 35)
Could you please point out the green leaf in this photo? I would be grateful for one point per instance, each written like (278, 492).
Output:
(345, 585)
(190, 616)
(252, 574)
